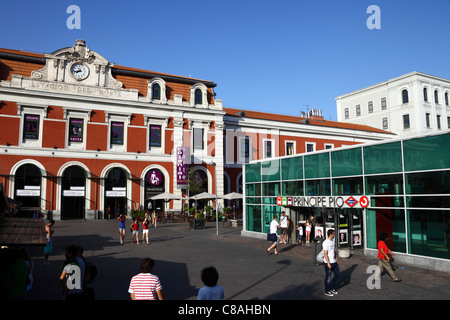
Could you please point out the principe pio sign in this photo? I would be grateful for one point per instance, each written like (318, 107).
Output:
(324, 201)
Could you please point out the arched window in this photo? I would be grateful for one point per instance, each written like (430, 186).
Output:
(27, 187)
(446, 99)
(156, 92)
(425, 94)
(405, 98)
(436, 96)
(198, 96)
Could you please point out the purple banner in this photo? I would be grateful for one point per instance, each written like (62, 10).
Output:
(182, 167)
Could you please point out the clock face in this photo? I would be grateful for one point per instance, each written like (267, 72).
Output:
(79, 71)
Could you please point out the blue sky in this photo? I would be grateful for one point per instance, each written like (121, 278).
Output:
(275, 56)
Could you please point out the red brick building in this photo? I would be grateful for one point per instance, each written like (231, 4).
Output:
(79, 134)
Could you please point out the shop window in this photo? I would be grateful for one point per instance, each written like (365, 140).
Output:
(320, 187)
(348, 186)
(428, 235)
(384, 158)
(253, 190)
(420, 153)
(253, 218)
(292, 188)
(271, 189)
(390, 221)
(428, 182)
(384, 185)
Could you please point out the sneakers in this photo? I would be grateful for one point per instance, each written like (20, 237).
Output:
(331, 293)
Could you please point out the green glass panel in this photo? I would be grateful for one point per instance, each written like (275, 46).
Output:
(253, 190)
(318, 187)
(269, 212)
(253, 218)
(427, 153)
(385, 184)
(383, 158)
(428, 233)
(346, 162)
(348, 186)
(292, 168)
(293, 188)
(437, 182)
(317, 165)
(271, 189)
(253, 172)
(270, 170)
(389, 221)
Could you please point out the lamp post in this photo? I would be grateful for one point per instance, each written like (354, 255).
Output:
(212, 163)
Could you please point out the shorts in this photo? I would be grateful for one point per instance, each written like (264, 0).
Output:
(121, 229)
(145, 231)
(283, 230)
(135, 232)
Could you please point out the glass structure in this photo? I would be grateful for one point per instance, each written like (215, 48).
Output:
(407, 183)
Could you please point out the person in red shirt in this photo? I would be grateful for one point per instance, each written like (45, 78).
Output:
(384, 257)
(135, 227)
(145, 228)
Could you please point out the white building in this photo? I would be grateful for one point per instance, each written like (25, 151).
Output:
(411, 104)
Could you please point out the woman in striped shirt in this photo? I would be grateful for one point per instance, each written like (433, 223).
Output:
(144, 285)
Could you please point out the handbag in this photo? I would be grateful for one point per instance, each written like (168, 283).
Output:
(319, 257)
(271, 237)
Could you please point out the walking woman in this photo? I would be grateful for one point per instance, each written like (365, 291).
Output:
(384, 258)
(122, 219)
(154, 219)
(145, 224)
(135, 228)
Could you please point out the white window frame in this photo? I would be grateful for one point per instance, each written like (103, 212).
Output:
(76, 114)
(241, 154)
(38, 110)
(272, 153)
(117, 117)
(157, 122)
(294, 145)
(306, 146)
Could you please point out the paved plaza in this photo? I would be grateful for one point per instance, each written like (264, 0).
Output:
(246, 271)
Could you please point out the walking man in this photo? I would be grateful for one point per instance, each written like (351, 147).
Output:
(284, 226)
(331, 265)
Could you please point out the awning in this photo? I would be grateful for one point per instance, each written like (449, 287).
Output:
(22, 232)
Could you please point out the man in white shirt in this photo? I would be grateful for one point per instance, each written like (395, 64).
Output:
(330, 263)
(273, 230)
(284, 226)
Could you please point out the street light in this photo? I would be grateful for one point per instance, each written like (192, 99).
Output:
(212, 163)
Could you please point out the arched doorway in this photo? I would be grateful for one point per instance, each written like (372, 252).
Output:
(154, 184)
(198, 183)
(27, 188)
(115, 192)
(73, 193)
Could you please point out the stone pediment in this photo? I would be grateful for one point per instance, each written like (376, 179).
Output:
(77, 65)
(76, 70)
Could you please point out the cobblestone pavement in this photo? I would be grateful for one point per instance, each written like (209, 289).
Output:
(246, 271)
